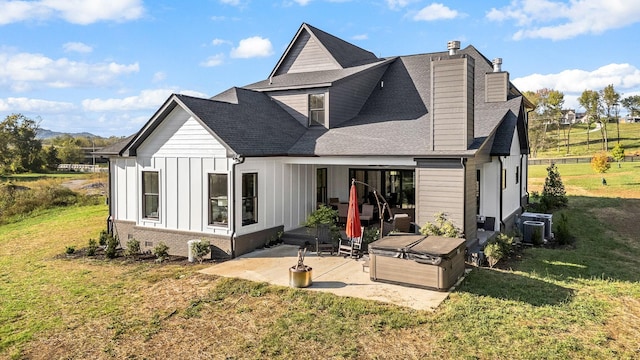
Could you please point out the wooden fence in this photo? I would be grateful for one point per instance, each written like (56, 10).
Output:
(577, 160)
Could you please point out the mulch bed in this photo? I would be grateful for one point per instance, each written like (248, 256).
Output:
(139, 258)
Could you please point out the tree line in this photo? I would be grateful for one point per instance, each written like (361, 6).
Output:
(601, 108)
(21, 151)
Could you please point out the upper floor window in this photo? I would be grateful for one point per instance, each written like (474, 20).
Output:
(316, 110)
(150, 194)
(249, 198)
(218, 200)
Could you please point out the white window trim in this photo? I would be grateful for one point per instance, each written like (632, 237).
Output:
(160, 197)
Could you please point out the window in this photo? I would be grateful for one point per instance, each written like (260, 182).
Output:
(218, 200)
(249, 198)
(150, 194)
(321, 184)
(316, 110)
(504, 179)
(517, 174)
(477, 192)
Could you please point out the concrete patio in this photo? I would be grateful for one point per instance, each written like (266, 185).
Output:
(335, 274)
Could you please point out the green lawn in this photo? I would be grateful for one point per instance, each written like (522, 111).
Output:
(574, 303)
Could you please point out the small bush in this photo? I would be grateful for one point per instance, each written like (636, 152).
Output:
(498, 248)
(133, 247)
(70, 250)
(103, 238)
(112, 246)
(93, 246)
(161, 251)
(441, 227)
(562, 233)
(201, 249)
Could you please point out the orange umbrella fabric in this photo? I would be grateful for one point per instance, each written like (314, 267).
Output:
(353, 216)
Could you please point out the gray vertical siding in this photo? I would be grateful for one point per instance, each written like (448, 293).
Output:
(452, 103)
(496, 88)
(470, 221)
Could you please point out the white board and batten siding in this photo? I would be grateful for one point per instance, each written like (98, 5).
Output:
(184, 153)
(124, 195)
(286, 193)
(511, 194)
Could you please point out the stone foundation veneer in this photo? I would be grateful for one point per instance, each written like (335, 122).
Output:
(177, 240)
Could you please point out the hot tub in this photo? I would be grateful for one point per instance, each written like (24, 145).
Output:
(432, 262)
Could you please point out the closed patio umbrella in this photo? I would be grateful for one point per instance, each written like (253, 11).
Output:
(353, 229)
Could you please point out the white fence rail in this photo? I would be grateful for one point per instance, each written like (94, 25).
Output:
(82, 168)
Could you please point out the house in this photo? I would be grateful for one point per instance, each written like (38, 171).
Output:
(435, 132)
(568, 117)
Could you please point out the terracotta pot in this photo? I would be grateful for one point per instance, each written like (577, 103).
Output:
(300, 278)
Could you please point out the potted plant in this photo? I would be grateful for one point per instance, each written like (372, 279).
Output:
(300, 274)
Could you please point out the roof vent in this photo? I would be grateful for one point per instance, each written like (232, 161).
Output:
(497, 64)
(453, 46)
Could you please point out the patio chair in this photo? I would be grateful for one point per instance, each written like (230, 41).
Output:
(401, 222)
(367, 213)
(351, 247)
(324, 243)
(343, 211)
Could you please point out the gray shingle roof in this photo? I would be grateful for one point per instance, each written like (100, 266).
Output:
(252, 125)
(346, 54)
(395, 119)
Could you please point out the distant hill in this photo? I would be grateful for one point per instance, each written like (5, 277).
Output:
(44, 134)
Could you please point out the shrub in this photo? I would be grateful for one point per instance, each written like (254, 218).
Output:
(441, 227)
(93, 246)
(201, 249)
(70, 250)
(553, 194)
(498, 248)
(562, 233)
(161, 251)
(103, 238)
(133, 247)
(322, 215)
(112, 246)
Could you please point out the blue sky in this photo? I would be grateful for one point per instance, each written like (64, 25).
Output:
(105, 66)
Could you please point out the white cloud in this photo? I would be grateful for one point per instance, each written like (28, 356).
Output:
(302, 2)
(397, 4)
(435, 11)
(81, 12)
(216, 42)
(159, 76)
(625, 78)
(214, 60)
(255, 46)
(77, 47)
(147, 99)
(24, 71)
(22, 104)
(559, 20)
(231, 2)
(360, 37)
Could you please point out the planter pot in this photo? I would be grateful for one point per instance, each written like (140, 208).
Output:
(300, 278)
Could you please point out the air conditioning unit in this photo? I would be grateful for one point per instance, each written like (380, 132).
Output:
(533, 232)
(547, 219)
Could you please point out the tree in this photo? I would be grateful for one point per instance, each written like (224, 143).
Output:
(19, 148)
(618, 153)
(69, 151)
(632, 104)
(548, 110)
(609, 98)
(600, 163)
(590, 101)
(553, 194)
(51, 160)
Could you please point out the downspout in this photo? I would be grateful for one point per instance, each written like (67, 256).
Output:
(237, 160)
(463, 163)
(109, 198)
(501, 191)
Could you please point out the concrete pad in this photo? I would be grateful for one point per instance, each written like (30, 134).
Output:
(334, 274)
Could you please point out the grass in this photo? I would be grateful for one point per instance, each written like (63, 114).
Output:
(574, 303)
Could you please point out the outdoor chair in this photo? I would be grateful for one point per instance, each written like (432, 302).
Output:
(324, 243)
(351, 247)
(401, 223)
(343, 211)
(367, 213)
